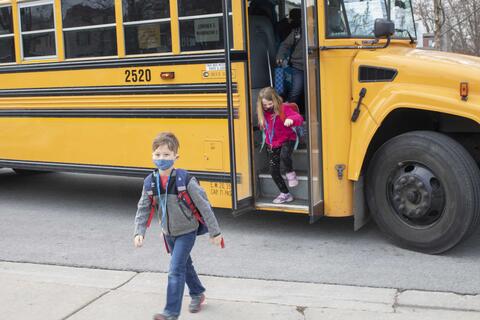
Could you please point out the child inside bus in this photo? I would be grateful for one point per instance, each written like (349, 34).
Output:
(276, 119)
(179, 226)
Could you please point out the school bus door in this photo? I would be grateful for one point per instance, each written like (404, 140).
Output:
(310, 16)
(236, 70)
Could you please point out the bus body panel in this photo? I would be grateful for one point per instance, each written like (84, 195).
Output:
(335, 71)
(426, 80)
(98, 117)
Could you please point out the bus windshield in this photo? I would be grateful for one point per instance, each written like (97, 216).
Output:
(356, 18)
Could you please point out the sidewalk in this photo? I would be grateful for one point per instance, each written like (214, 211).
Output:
(34, 291)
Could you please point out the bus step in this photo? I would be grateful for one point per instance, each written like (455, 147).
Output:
(299, 159)
(268, 187)
(296, 206)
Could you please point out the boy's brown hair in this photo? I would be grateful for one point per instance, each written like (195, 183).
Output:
(168, 139)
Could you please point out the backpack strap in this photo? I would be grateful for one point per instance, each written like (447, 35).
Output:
(264, 138)
(149, 186)
(182, 180)
(297, 139)
(166, 243)
(282, 112)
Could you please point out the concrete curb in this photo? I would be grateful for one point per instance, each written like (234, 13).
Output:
(54, 292)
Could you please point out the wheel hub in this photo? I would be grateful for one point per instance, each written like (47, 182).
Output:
(416, 194)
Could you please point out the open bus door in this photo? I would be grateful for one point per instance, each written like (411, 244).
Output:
(238, 120)
(313, 109)
(307, 160)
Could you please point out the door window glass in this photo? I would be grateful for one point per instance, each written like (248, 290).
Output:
(201, 24)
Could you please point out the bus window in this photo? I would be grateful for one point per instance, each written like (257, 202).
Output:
(37, 26)
(89, 28)
(402, 16)
(147, 26)
(200, 25)
(7, 47)
(336, 26)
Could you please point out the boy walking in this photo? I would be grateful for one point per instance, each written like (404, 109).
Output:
(180, 225)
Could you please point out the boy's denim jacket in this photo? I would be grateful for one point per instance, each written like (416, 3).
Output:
(179, 218)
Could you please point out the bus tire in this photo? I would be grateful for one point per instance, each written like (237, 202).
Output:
(423, 191)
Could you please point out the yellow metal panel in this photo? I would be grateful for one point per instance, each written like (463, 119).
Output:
(238, 25)
(113, 142)
(184, 74)
(287, 210)
(122, 101)
(321, 22)
(212, 154)
(16, 30)
(175, 28)
(335, 70)
(219, 193)
(59, 30)
(126, 142)
(119, 28)
(427, 80)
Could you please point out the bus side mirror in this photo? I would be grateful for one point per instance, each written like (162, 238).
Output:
(384, 28)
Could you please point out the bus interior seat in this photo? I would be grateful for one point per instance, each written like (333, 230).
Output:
(262, 42)
(263, 8)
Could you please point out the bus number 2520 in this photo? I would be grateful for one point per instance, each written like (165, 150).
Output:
(138, 75)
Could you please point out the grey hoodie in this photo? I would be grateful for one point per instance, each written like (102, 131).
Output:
(179, 218)
(296, 57)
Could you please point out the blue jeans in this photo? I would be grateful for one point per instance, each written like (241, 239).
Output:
(296, 91)
(181, 271)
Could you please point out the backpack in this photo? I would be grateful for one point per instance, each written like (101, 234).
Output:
(300, 131)
(182, 178)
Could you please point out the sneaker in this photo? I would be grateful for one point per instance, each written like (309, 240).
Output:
(283, 197)
(196, 303)
(161, 316)
(292, 179)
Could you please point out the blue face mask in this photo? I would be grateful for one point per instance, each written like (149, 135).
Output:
(164, 164)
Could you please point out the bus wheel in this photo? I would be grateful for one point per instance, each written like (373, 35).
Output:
(423, 191)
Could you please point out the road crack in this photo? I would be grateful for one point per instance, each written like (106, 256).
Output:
(99, 297)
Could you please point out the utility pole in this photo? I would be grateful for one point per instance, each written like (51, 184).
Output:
(439, 21)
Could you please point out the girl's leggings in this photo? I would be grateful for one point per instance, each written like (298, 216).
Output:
(283, 154)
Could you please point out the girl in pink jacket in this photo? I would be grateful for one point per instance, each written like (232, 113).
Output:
(276, 119)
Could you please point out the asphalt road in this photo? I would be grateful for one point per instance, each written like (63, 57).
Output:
(87, 220)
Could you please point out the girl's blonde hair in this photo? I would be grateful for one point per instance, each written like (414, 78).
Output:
(269, 94)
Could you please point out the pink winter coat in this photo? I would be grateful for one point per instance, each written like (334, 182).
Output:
(281, 133)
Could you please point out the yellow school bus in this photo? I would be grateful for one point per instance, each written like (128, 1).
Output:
(392, 131)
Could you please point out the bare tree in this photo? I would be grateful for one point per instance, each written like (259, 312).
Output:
(439, 14)
(424, 10)
(455, 24)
